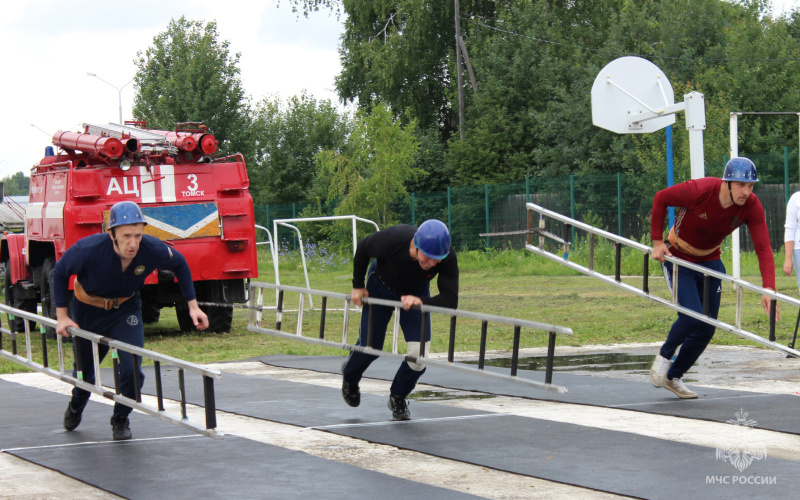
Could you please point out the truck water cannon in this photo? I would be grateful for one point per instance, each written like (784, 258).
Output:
(192, 142)
(184, 142)
(92, 145)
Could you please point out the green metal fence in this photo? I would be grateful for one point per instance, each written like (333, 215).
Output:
(618, 203)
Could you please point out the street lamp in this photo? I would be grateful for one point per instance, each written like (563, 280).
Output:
(119, 90)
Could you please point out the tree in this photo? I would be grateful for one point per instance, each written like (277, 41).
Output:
(188, 75)
(286, 139)
(374, 170)
(401, 53)
(16, 184)
(535, 63)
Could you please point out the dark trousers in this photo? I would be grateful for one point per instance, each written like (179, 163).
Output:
(123, 324)
(690, 334)
(411, 324)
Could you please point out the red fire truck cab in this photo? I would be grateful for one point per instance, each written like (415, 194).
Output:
(198, 205)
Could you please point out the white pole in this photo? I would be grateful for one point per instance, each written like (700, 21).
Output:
(735, 245)
(695, 124)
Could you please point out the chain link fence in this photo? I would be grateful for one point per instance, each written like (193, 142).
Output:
(618, 203)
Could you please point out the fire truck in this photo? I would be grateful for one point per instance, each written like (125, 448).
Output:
(197, 203)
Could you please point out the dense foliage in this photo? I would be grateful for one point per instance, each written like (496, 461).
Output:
(16, 184)
(530, 116)
(188, 75)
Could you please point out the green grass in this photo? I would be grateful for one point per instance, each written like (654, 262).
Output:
(517, 284)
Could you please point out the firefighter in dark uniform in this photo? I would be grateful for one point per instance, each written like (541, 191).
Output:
(406, 261)
(110, 270)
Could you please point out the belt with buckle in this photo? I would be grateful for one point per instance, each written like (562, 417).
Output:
(95, 301)
(686, 248)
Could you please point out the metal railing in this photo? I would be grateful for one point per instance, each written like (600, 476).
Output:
(255, 325)
(285, 223)
(64, 373)
(738, 283)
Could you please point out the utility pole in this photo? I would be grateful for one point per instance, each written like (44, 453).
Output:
(459, 72)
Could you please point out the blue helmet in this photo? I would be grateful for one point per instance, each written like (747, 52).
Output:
(740, 169)
(433, 239)
(125, 212)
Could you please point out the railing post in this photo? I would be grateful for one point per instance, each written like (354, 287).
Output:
(159, 389)
(451, 347)
(322, 318)
(515, 351)
(773, 307)
(279, 311)
(551, 354)
(137, 377)
(182, 389)
(115, 368)
(482, 353)
(210, 404)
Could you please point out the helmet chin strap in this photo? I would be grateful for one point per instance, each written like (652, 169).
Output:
(730, 193)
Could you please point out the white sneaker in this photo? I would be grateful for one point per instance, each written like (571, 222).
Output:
(658, 372)
(677, 386)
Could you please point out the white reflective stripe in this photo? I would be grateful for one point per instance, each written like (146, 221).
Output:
(34, 210)
(54, 210)
(148, 188)
(167, 183)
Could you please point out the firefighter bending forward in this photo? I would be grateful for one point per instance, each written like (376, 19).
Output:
(406, 260)
(110, 270)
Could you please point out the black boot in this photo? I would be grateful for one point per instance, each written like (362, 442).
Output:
(72, 417)
(350, 393)
(120, 427)
(399, 408)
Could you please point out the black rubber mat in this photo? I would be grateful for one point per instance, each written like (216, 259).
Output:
(164, 461)
(618, 462)
(772, 411)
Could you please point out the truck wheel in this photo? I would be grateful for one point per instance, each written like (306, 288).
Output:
(47, 299)
(219, 318)
(28, 305)
(151, 313)
(184, 320)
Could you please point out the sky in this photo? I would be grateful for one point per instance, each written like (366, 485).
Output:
(47, 47)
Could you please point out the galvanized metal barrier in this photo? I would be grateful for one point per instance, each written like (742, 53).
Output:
(11, 338)
(739, 284)
(255, 325)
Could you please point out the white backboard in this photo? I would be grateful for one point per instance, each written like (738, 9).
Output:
(630, 86)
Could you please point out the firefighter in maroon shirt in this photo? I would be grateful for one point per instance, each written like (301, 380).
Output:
(709, 209)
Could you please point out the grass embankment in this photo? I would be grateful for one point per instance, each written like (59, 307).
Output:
(507, 283)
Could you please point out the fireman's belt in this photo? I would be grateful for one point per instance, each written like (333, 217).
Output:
(95, 301)
(686, 248)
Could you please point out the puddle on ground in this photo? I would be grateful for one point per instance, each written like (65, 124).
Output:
(581, 362)
(445, 395)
